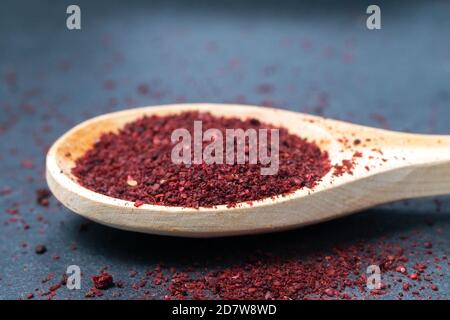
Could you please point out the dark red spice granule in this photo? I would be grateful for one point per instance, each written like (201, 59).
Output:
(103, 281)
(42, 196)
(93, 292)
(40, 249)
(29, 296)
(346, 166)
(135, 165)
(48, 277)
(133, 273)
(27, 164)
(5, 191)
(413, 276)
(400, 269)
(55, 287)
(143, 89)
(265, 88)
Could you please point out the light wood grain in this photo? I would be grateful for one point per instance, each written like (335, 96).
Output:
(410, 166)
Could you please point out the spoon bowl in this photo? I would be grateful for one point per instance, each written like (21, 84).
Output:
(386, 166)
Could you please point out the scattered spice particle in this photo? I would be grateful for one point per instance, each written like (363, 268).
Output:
(133, 273)
(438, 204)
(5, 191)
(27, 164)
(103, 281)
(42, 196)
(265, 88)
(93, 292)
(143, 89)
(55, 287)
(40, 249)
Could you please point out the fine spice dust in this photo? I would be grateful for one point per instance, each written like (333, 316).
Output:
(135, 165)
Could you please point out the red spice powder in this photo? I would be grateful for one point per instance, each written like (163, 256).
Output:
(135, 165)
(339, 275)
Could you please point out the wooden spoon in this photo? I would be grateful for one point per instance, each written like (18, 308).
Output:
(391, 166)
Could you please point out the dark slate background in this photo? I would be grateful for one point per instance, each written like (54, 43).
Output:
(315, 57)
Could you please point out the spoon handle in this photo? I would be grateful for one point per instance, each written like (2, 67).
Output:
(427, 169)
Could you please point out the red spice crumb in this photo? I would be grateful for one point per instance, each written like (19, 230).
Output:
(42, 196)
(133, 273)
(103, 281)
(27, 164)
(428, 245)
(29, 296)
(54, 287)
(93, 292)
(406, 286)
(377, 292)
(414, 276)
(356, 142)
(143, 89)
(40, 249)
(64, 278)
(138, 203)
(330, 292)
(400, 269)
(48, 277)
(420, 267)
(5, 191)
(434, 287)
(346, 166)
(265, 88)
(109, 84)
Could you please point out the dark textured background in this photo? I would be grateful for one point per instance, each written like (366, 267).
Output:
(315, 57)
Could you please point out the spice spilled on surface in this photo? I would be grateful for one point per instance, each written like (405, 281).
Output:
(135, 164)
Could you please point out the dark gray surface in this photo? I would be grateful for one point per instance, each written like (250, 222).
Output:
(319, 58)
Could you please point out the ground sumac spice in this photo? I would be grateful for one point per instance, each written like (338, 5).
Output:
(338, 274)
(135, 164)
